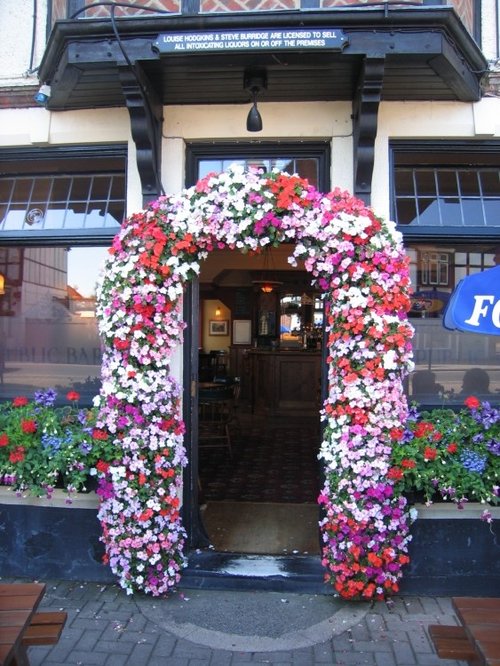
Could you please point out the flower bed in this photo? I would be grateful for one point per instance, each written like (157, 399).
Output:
(450, 456)
(43, 445)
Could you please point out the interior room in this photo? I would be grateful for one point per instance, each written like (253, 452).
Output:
(260, 353)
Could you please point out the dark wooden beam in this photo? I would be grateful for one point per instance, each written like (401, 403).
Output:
(146, 119)
(365, 119)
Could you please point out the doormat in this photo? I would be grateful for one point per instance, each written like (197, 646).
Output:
(262, 527)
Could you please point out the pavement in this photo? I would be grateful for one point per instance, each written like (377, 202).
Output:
(204, 627)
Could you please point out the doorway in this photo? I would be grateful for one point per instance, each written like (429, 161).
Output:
(260, 479)
(259, 497)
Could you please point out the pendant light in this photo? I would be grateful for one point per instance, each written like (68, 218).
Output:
(254, 81)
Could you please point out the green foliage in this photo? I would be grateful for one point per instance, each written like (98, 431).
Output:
(450, 455)
(42, 445)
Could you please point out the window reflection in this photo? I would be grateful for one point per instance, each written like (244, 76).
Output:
(449, 365)
(48, 328)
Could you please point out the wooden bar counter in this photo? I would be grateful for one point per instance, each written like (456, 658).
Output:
(285, 381)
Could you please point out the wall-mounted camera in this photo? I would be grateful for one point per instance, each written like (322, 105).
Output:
(43, 95)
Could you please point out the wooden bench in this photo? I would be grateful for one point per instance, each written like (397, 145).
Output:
(477, 639)
(452, 642)
(18, 606)
(45, 628)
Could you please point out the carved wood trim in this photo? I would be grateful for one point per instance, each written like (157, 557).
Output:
(146, 118)
(365, 119)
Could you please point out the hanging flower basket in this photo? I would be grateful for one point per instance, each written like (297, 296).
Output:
(358, 263)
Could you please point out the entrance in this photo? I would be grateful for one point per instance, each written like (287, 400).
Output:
(258, 483)
(259, 476)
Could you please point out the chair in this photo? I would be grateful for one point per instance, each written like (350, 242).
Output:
(216, 414)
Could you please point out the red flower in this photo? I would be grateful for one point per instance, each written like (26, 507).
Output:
(472, 402)
(28, 426)
(4, 440)
(452, 448)
(395, 473)
(408, 463)
(20, 401)
(73, 395)
(397, 434)
(430, 453)
(17, 455)
(423, 429)
(102, 466)
(99, 434)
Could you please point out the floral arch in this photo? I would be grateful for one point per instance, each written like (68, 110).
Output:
(359, 264)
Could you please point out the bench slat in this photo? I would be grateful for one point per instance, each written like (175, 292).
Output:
(452, 642)
(45, 628)
(49, 617)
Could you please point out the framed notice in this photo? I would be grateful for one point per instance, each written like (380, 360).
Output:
(218, 327)
(242, 331)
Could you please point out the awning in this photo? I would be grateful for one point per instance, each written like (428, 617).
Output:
(474, 306)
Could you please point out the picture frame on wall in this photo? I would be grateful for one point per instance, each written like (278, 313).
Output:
(218, 327)
(242, 331)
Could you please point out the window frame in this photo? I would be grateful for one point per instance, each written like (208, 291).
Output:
(441, 149)
(320, 150)
(79, 153)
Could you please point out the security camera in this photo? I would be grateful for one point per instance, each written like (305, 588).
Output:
(42, 96)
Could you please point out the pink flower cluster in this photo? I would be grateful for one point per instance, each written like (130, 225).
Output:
(358, 262)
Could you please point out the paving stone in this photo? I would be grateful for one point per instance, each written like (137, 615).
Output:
(117, 659)
(105, 626)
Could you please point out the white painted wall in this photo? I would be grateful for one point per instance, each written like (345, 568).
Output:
(490, 29)
(17, 21)
(306, 121)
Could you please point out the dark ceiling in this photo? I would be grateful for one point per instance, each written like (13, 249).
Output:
(427, 55)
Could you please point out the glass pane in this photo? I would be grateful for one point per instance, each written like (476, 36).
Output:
(490, 183)
(450, 365)
(60, 189)
(80, 188)
(308, 168)
(6, 187)
(100, 188)
(447, 183)
(451, 213)
(48, 329)
(469, 183)
(405, 211)
(428, 212)
(473, 212)
(22, 190)
(404, 182)
(304, 167)
(425, 182)
(492, 212)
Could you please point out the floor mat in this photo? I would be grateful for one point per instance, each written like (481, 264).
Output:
(262, 528)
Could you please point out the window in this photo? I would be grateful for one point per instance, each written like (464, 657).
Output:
(446, 360)
(43, 192)
(446, 199)
(48, 327)
(308, 160)
(448, 187)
